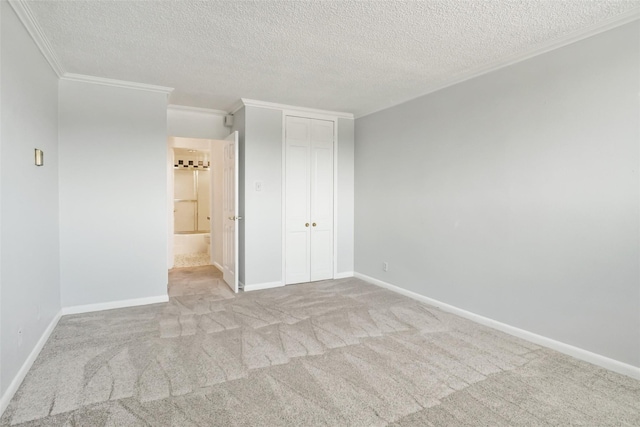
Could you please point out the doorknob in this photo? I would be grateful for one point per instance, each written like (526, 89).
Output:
(314, 224)
(306, 224)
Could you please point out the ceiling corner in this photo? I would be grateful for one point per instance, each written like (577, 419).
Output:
(26, 16)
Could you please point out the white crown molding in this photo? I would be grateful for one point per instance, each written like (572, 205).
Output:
(291, 108)
(115, 83)
(236, 106)
(566, 40)
(27, 18)
(200, 110)
(578, 353)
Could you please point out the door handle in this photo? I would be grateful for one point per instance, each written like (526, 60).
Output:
(306, 224)
(314, 224)
(234, 218)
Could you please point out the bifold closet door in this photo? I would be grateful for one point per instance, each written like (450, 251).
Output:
(321, 200)
(297, 200)
(308, 200)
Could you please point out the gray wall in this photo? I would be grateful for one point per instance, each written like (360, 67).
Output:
(195, 124)
(262, 210)
(113, 193)
(345, 224)
(515, 195)
(29, 278)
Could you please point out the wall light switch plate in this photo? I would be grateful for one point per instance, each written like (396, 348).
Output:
(39, 160)
(258, 185)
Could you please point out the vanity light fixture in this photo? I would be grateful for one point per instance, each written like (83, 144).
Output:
(39, 157)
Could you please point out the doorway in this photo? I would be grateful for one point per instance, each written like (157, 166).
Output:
(202, 186)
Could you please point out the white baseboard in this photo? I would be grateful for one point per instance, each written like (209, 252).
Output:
(77, 309)
(343, 275)
(216, 265)
(578, 353)
(17, 380)
(259, 286)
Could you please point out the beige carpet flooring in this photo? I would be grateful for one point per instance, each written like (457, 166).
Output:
(336, 353)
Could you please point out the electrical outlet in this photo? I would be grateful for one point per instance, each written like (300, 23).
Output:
(385, 266)
(20, 337)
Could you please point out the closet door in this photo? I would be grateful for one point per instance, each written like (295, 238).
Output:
(308, 200)
(297, 200)
(321, 200)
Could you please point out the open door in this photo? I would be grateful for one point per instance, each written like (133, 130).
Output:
(230, 212)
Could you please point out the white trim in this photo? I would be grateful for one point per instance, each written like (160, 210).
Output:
(115, 83)
(170, 205)
(311, 115)
(343, 275)
(291, 108)
(259, 286)
(23, 10)
(236, 106)
(24, 369)
(77, 309)
(197, 110)
(578, 353)
(566, 40)
(283, 216)
(218, 266)
(335, 198)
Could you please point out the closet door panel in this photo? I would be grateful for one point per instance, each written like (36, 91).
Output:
(321, 200)
(298, 200)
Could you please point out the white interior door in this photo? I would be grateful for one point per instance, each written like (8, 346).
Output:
(298, 200)
(230, 212)
(308, 199)
(321, 200)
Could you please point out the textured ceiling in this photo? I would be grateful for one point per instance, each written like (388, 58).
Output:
(352, 56)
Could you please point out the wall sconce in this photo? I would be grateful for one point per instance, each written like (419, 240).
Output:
(39, 157)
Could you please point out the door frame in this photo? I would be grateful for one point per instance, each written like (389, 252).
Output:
(318, 116)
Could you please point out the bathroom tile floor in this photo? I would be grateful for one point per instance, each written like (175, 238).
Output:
(191, 260)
